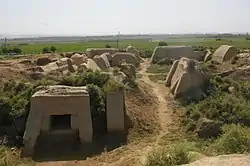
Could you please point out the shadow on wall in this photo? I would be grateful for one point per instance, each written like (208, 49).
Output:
(66, 149)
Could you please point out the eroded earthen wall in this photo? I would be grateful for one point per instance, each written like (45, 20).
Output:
(115, 111)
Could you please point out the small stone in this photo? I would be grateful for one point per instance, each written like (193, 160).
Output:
(231, 89)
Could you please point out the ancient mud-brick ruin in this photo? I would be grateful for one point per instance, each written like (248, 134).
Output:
(57, 101)
(225, 53)
(184, 79)
(73, 102)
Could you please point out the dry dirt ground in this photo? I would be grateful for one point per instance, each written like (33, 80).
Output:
(135, 153)
(19, 69)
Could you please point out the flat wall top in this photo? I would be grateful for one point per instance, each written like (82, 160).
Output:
(107, 49)
(171, 47)
(60, 90)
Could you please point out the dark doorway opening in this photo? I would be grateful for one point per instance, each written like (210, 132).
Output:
(60, 122)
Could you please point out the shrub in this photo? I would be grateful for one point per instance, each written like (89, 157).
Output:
(88, 77)
(146, 53)
(220, 105)
(16, 50)
(220, 85)
(69, 80)
(226, 108)
(116, 70)
(96, 78)
(113, 86)
(12, 158)
(17, 95)
(191, 126)
(198, 48)
(53, 49)
(96, 99)
(14, 100)
(5, 117)
(107, 46)
(177, 154)
(5, 50)
(45, 50)
(235, 139)
(97, 107)
(162, 43)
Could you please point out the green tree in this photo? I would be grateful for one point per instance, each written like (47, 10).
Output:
(162, 43)
(53, 48)
(107, 46)
(45, 50)
(5, 50)
(16, 50)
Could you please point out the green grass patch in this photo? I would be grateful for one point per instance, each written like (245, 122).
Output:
(235, 139)
(36, 48)
(176, 154)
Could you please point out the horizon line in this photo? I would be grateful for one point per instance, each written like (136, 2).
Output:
(125, 34)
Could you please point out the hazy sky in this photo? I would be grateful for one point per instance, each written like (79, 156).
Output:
(97, 17)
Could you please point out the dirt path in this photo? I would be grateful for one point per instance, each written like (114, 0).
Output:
(164, 113)
(159, 91)
(137, 154)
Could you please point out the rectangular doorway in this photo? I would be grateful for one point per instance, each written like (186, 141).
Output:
(60, 122)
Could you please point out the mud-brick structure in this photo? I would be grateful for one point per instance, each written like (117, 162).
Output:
(115, 111)
(224, 53)
(54, 102)
(185, 79)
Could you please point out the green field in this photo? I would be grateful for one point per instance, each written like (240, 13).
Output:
(36, 48)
